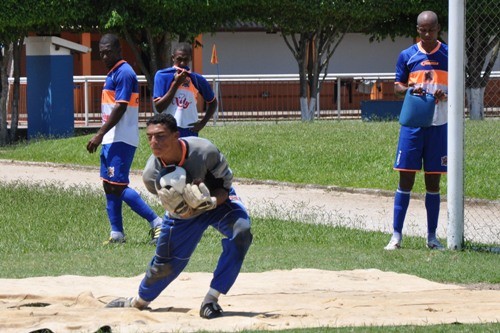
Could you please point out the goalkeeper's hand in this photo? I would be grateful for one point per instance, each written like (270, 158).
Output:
(173, 202)
(198, 197)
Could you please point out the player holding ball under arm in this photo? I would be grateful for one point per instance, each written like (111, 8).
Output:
(424, 68)
(209, 200)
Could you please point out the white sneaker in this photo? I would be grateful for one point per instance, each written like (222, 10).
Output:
(394, 244)
(128, 302)
(434, 244)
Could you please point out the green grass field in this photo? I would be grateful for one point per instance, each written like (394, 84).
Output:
(54, 222)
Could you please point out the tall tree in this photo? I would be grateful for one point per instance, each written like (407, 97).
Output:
(150, 27)
(5, 59)
(17, 18)
(12, 29)
(313, 30)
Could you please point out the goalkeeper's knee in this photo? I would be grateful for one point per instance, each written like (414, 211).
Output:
(157, 272)
(242, 237)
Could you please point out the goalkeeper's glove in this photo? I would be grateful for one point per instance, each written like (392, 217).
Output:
(173, 201)
(198, 197)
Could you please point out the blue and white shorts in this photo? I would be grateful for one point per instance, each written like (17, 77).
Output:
(427, 145)
(116, 161)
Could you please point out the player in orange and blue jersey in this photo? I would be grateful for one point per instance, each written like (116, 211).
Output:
(119, 136)
(176, 90)
(422, 67)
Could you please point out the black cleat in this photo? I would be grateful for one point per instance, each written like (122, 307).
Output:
(210, 311)
(154, 233)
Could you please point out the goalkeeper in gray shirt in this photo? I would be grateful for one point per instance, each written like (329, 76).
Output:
(194, 183)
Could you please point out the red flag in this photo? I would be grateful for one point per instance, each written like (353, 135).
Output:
(214, 60)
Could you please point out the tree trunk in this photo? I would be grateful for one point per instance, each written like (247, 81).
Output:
(16, 62)
(4, 90)
(312, 108)
(133, 42)
(312, 51)
(155, 57)
(304, 109)
(475, 102)
(301, 57)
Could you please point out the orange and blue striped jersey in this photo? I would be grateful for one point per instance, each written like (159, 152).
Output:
(121, 86)
(184, 104)
(415, 67)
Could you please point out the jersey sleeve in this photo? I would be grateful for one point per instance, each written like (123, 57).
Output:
(402, 72)
(219, 174)
(202, 85)
(124, 85)
(162, 83)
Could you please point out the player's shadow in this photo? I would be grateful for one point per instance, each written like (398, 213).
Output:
(224, 314)
(170, 309)
(249, 314)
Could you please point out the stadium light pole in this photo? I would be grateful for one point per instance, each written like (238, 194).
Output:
(456, 79)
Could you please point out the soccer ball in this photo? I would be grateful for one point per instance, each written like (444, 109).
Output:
(172, 176)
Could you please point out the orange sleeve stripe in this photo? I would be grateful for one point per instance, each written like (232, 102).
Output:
(134, 100)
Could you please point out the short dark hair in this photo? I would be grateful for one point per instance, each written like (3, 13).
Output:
(112, 40)
(164, 118)
(184, 47)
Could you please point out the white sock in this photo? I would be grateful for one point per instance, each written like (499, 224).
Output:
(211, 297)
(138, 302)
(117, 235)
(397, 235)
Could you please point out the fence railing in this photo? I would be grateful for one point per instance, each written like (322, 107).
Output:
(261, 97)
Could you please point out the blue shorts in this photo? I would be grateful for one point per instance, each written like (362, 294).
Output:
(116, 160)
(183, 132)
(422, 144)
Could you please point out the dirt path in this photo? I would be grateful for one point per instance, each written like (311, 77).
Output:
(355, 208)
(368, 209)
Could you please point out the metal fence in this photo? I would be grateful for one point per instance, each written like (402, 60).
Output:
(482, 43)
(263, 97)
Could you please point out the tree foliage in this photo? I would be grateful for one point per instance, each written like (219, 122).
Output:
(17, 18)
(389, 19)
(313, 29)
(151, 26)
